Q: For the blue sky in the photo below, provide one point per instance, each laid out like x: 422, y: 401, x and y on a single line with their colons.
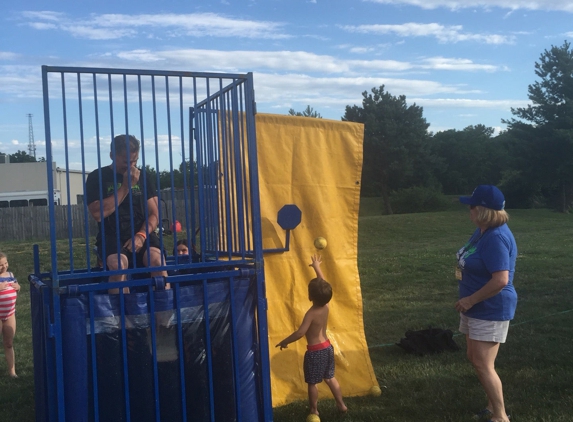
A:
x: 466, y: 62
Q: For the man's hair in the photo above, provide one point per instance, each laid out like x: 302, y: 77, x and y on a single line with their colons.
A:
x: 119, y: 144
x: 319, y: 291
x: 491, y: 218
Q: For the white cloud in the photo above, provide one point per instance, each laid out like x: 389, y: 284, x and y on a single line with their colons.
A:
x: 361, y: 50
x: 92, y: 33
x: 44, y: 15
x: 444, y: 63
x: 21, y: 81
x: 140, y: 56
x: 6, y: 55
x: 289, y: 61
x: 469, y: 103
x: 560, y: 5
x: 444, y: 34
x: 113, y: 26
x: 43, y: 26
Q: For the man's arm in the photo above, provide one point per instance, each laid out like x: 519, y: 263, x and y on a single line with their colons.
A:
x: 146, y: 228
x: 109, y: 202
x: 152, y: 216
x: 298, y: 333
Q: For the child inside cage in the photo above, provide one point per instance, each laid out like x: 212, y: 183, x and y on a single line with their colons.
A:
x: 319, y: 357
x: 9, y: 289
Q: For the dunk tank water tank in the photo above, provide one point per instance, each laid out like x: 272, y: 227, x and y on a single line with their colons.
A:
x: 192, y: 346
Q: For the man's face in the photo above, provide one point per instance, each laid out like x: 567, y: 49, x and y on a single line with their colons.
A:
x: 122, y: 163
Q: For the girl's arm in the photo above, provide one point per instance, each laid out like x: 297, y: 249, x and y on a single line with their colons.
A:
x: 15, y: 285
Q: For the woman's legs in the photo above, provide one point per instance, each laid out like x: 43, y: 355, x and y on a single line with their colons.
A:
x: 8, y: 331
x: 482, y: 355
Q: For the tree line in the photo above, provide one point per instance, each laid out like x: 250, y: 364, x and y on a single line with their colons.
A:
x: 23, y: 157
x: 531, y: 161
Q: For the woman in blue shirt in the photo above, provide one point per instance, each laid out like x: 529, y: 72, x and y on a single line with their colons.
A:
x: 487, y: 298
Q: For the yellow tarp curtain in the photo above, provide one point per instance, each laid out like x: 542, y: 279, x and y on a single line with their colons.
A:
x: 315, y: 164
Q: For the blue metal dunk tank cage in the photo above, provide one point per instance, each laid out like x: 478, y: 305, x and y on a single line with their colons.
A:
x: 197, y: 351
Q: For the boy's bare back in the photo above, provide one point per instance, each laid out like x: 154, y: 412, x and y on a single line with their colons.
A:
x: 316, y: 332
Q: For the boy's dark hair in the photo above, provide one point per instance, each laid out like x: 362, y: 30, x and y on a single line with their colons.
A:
x: 182, y: 242
x: 319, y: 291
x: 119, y: 144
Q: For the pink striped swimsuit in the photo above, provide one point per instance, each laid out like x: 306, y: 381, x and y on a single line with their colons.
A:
x: 7, y: 298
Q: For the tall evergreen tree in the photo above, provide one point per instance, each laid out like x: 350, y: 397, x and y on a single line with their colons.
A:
x: 546, y: 126
x: 396, y: 153
x: 307, y: 112
x: 471, y: 157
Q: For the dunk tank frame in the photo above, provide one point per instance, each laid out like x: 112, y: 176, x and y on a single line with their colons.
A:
x: 197, y: 351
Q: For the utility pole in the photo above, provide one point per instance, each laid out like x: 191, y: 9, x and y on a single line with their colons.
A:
x: 31, y: 144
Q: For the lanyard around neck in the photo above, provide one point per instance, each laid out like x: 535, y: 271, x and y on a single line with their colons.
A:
x: 472, y: 243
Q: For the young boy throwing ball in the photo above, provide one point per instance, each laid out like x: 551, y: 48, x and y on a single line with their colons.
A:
x: 319, y: 357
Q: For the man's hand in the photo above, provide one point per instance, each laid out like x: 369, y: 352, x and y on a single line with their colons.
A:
x: 138, y: 242
x: 134, y: 173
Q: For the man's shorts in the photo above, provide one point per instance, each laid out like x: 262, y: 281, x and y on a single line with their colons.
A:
x: 483, y: 330
x: 319, y: 364
x: 111, y: 248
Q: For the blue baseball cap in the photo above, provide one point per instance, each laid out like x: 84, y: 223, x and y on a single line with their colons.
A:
x: 487, y: 196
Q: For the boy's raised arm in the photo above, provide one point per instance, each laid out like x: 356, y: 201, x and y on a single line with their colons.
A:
x: 316, y: 261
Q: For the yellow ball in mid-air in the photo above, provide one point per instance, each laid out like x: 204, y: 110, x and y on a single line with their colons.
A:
x: 320, y: 243
x: 312, y: 418
x: 375, y: 391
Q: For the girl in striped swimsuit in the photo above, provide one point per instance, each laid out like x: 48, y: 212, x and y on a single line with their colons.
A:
x: 8, y: 291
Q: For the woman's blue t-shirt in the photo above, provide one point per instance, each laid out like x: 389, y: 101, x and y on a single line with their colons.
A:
x: 483, y: 255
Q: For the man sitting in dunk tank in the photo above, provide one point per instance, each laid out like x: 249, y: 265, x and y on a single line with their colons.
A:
x: 136, y: 198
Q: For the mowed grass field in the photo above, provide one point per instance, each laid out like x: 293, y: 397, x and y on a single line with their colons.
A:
x: 406, y: 265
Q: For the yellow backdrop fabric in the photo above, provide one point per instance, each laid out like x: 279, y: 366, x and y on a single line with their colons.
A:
x: 315, y: 164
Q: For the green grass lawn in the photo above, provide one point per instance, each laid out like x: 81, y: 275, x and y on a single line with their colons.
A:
x: 406, y: 266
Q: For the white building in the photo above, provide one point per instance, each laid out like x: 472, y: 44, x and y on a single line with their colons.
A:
x: 26, y: 184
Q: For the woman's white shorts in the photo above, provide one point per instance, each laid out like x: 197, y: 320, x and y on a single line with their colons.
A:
x: 483, y: 330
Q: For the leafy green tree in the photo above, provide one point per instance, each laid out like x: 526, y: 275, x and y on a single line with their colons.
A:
x: 471, y: 157
x: 308, y: 112
x: 22, y: 157
x: 396, y: 149
x: 546, y: 128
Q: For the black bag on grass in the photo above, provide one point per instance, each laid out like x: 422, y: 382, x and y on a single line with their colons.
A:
x: 431, y: 340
